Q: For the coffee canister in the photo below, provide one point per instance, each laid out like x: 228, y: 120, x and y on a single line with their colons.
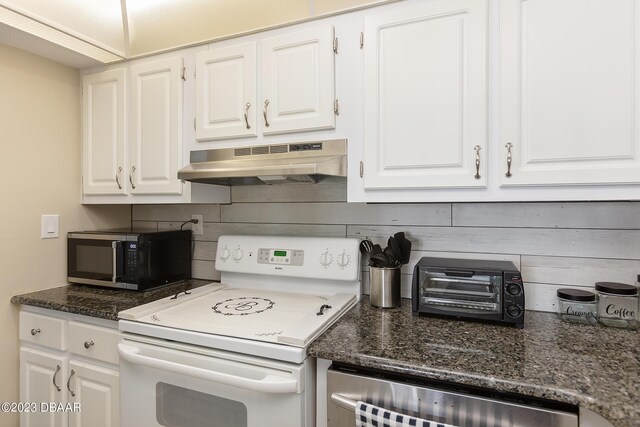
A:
x: 617, y: 304
x: 385, y: 286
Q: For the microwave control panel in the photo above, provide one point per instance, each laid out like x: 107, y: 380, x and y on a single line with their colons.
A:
x: 131, y: 259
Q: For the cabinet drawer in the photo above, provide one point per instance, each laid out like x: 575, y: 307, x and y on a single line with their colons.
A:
x: 43, y: 330
x: 93, y: 341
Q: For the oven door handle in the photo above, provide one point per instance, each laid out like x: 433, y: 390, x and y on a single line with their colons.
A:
x: 267, y: 384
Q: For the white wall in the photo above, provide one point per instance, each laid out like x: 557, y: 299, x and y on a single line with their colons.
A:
x: 39, y: 174
x: 554, y: 244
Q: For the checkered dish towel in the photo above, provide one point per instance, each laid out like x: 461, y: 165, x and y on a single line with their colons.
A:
x: 368, y: 415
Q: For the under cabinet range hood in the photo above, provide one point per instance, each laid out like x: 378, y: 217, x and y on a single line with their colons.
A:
x: 309, y: 162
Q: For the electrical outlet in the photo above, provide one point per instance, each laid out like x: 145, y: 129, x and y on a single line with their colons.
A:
x: 199, y: 227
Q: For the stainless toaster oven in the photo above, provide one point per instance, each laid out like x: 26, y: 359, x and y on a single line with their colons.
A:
x: 469, y: 289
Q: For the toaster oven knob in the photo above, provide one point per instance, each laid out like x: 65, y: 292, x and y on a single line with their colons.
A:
x: 514, y: 311
x: 513, y: 289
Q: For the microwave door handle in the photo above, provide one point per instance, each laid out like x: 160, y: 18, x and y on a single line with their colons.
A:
x: 117, y: 261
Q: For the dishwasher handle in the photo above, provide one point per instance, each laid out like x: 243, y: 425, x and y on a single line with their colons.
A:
x: 344, y: 402
x: 268, y: 384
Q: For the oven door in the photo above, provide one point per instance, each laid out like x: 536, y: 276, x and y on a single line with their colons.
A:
x: 475, y: 294
x: 177, y: 385
x: 95, y: 259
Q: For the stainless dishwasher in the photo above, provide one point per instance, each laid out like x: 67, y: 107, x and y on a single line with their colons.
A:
x: 444, y: 403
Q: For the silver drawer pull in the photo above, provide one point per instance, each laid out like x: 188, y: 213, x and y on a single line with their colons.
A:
x: 133, y: 169
x: 88, y: 344
x: 509, y: 159
x: 35, y: 332
x: 73, y: 393
x: 264, y: 113
x: 477, y: 148
x: 54, y: 378
x: 246, y: 115
x: 118, y: 178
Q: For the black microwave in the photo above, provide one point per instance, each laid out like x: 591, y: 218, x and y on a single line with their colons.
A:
x: 469, y: 289
x: 137, y: 260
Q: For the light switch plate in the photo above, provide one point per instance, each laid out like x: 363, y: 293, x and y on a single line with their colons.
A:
x: 50, y: 226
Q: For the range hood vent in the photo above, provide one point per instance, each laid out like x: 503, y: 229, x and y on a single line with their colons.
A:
x: 311, y: 162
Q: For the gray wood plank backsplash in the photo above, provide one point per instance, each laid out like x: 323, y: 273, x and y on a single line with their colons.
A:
x: 554, y: 244
x: 338, y: 213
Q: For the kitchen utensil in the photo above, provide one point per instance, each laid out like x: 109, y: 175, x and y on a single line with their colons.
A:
x: 391, y: 257
x: 405, y: 246
x: 366, y: 246
x: 380, y: 260
x: 377, y: 249
x: 395, y: 248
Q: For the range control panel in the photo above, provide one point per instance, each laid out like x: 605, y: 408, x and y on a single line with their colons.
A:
x: 281, y: 256
x: 311, y: 257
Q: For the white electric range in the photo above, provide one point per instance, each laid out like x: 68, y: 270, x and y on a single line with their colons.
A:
x: 234, y: 353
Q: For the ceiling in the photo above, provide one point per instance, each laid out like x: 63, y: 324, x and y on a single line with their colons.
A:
x: 83, y: 33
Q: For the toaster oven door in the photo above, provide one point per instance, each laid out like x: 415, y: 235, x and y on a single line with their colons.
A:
x: 461, y: 293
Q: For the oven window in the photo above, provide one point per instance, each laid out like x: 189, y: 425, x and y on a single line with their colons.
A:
x: 181, y: 407
x: 479, y: 294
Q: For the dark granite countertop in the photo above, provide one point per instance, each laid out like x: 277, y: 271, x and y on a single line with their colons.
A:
x: 591, y: 366
x: 99, y: 302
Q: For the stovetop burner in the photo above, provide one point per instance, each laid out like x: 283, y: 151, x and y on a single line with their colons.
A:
x: 243, y: 306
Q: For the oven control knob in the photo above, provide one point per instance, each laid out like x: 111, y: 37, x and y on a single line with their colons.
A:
x: 325, y: 259
x: 224, y: 254
x: 237, y: 254
x: 343, y: 259
x: 514, y: 311
x: 513, y: 289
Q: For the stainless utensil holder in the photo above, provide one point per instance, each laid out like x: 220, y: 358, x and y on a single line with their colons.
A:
x: 384, y: 287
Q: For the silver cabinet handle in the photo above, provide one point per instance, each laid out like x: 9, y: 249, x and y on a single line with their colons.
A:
x: 88, y: 344
x: 477, y: 148
x: 133, y: 169
x: 118, y: 178
x: 264, y: 112
x: 73, y: 393
x: 509, y: 159
x: 246, y: 114
x: 35, y: 332
x: 54, y: 378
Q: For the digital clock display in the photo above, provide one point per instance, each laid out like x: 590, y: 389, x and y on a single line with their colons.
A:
x: 279, y: 253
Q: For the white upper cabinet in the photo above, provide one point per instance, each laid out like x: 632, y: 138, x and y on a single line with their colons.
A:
x: 297, y: 72
x: 156, y: 127
x: 103, y: 124
x: 226, y: 92
x: 569, y: 92
x: 425, y: 122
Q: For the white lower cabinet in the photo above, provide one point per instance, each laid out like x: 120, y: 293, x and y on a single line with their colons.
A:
x: 42, y: 376
x: 96, y: 389
x: 84, y: 383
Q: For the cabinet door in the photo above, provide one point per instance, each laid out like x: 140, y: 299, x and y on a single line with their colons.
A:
x: 298, y: 81
x: 42, y: 380
x: 97, y: 390
x: 226, y: 92
x: 103, y: 132
x: 156, y: 127
x: 569, y: 89
x: 425, y: 95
